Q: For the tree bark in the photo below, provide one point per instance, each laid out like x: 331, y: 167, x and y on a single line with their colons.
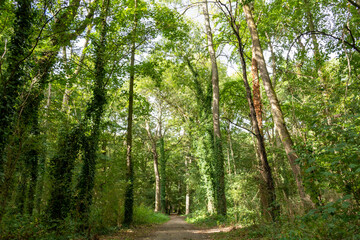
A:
x: 276, y: 110
x: 218, y: 153
x: 256, y: 90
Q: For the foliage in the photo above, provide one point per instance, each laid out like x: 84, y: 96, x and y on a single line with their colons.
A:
x: 64, y: 90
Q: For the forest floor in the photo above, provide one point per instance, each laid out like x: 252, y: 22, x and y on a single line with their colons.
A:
x: 175, y: 229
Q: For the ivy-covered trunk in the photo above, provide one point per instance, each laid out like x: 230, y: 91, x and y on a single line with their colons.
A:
x: 12, y: 82
x: 218, y: 156
x: 205, y: 142
x: 61, y: 166
x: 92, y: 121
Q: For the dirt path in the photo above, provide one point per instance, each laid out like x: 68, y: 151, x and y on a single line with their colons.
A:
x: 175, y: 229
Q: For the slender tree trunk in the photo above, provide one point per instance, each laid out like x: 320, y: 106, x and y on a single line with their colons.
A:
x: 276, y: 110
x: 187, y: 175
x: 156, y: 169
x: 67, y: 92
x: 129, y: 191
x: 267, y: 189
x: 162, y: 174
x: 157, y: 180
x: 318, y: 61
x: 273, y: 61
x: 218, y: 152
x: 256, y: 90
x: 231, y: 148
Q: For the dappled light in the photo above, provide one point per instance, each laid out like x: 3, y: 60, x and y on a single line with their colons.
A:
x: 139, y: 119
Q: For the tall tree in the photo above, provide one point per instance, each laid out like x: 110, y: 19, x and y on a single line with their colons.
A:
x: 12, y: 83
x: 217, y: 151
x: 93, y: 115
x: 276, y: 109
x: 267, y: 188
x: 129, y: 191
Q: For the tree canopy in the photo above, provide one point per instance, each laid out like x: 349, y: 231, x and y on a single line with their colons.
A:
x: 115, y: 113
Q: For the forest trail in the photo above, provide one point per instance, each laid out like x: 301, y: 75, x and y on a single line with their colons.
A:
x: 175, y: 229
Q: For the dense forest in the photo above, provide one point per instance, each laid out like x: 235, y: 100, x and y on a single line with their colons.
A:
x: 117, y: 113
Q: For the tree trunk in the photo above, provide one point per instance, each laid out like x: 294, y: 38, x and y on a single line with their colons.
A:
x: 231, y: 148
x: 9, y: 94
x: 12, y: 85
x: 267, y: 189
x: 276, y: 110
x: 256, y: 90
x: 318, y: 61
x: 67, y: 92
x: 162, y: 174
x: 187, y: 174
x: 156, y: 169
x: 129, y: 191
x: 218, y: 153
x: 157, y: 180
x: 204, y: 162
x: 93, y: 115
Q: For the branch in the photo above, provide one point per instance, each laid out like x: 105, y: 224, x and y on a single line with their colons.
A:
x: 325, y: 34
x: 2, y: 57
x: 354, y: 4
x: 236, y: 125
x: 174, y: 145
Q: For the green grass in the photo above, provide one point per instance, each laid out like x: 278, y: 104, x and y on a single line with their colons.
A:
x: 205, y: 220
x: 144, y: 215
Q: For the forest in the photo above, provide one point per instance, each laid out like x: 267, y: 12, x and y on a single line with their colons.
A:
x: 118, y: 114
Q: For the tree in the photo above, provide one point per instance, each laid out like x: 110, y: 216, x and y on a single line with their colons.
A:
x: 129, y: 195
x: 12, y: 82
x: 217, y: 151
x: 267, y: 189
x: 276, y: 109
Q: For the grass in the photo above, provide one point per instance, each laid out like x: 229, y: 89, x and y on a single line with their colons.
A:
x: 144, y: 215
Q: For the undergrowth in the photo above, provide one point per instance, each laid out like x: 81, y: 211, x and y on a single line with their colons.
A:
x: 336, y: 220
x: 33, y: 228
